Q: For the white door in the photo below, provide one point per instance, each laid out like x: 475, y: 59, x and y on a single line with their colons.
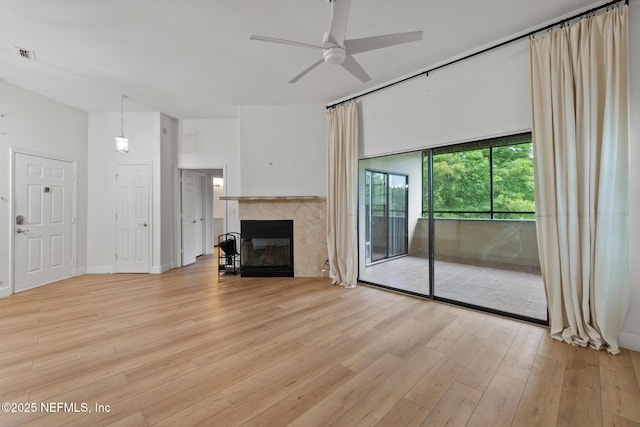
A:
x: 43, y: 189
x: 132, y: 219
x: 189, y: 250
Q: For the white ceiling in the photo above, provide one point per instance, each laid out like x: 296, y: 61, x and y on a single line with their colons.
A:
x: 194, y: 59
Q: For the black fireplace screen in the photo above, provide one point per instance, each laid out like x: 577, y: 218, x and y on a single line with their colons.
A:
x: 267, y: 248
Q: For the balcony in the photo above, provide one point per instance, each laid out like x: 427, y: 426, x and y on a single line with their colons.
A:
x: 488, y: 263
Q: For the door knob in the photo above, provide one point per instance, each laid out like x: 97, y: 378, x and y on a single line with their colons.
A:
x: 194, y: 221
x: 22, y: 230
x: 144, y: 224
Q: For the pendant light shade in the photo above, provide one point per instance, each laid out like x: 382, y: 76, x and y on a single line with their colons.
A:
x: 122, y: 143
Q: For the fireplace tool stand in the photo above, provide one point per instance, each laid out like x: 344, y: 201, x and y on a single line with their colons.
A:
x: 229, y: 253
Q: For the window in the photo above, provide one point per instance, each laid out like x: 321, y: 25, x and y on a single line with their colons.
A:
x: 491, y: 179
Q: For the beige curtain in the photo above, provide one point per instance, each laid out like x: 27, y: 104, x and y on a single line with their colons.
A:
x: 580, y: 131
x: 342, y: 194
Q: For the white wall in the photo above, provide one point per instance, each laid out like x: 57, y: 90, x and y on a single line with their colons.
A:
x: 283, y: 150
x: 478, y: 98
x: 143, y: 131
x: 168, y: 164
x: 37, y: 124
x: 487, y: 96
x: 404, y: 164
x: 206, y: 145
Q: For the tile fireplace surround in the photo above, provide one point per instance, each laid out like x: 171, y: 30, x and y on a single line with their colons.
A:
x: 309, y: 215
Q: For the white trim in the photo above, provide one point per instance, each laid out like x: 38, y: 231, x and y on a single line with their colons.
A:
x: 162, y: 268
x: 100, y: 269
x: 629, y: 341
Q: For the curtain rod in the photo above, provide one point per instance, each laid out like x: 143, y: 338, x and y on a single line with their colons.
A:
x: 485, y: 50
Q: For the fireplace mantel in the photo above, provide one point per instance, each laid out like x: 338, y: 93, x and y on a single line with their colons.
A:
x: 273, y: 198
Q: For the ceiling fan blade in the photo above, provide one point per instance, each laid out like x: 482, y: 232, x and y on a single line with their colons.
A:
x: 283, y: 41
x: 306, y: 70
x: 339, y: 18
x: 377, y: 42
x: 352, y: 66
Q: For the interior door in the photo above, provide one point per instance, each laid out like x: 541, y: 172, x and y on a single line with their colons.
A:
x: 43, y: 189
x: 132, y: 219
x: 189, y: 221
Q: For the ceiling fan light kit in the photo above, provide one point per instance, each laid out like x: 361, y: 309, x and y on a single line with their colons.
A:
x: 338, y: 51
x: 334, y: 55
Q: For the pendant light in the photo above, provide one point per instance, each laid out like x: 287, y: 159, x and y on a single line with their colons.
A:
x: 122, y: 143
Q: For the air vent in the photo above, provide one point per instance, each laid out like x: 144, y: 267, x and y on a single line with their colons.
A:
x: 26, y: 53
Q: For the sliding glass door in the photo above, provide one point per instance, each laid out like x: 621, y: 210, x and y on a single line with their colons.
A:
x: 392, y: 240
x: 462, y: 217
x: 386, y: 215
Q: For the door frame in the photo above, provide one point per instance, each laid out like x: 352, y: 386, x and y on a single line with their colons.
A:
x: 149, y: 166
x: 74, y: 203
x: 177, y: 213
x: 387, y: 235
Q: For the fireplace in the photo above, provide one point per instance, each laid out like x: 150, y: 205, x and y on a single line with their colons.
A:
x: 267, y: 248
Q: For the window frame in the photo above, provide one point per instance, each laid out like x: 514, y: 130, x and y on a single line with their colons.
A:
x: 491, y: 143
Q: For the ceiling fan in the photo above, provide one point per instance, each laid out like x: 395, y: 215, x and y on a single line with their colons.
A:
x: 338, y: 51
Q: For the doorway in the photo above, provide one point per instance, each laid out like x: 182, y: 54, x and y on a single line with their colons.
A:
x: 202, y: 213
x: 386, y: 206
x: 44, y: 246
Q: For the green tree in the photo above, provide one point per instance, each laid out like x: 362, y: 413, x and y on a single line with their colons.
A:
x: 462, y: 182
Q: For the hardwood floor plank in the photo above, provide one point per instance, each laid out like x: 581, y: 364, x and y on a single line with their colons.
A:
x: 435, y: 383
x: 332, y: 407
x: 196, y: 413
x: 540, y: 400
x: 521, y: 355
x: 581, y: 399
x: 321, y: 358
x: 370, y: 410
x: 498, y: 404
x: 404, y: 413
x: 619, y: 385
x: 408, y: 375
x: 455, y: 407
x: 241, y: 412
x: 300, y: 400
x: 481, y: 368
x: 133, y: 420
x: 613, y: 420
x: 191, y: 346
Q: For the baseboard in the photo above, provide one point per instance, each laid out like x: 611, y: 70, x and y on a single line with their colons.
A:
x: 161, y: 269
x: 629, y: 341
x: 5, y: 292
x: 100, y: 269
x: 81, y: 271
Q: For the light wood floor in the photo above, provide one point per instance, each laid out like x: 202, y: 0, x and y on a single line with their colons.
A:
x: 188, y: 348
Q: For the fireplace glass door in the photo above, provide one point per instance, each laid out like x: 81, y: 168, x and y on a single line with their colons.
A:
x: 267, y: 248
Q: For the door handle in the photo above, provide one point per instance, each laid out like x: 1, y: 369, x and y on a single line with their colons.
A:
x: 144, y: 224
x: 22, y: 230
